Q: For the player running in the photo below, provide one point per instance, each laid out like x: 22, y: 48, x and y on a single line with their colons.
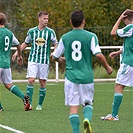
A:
x: 78, y: 46
x: 7, y: 39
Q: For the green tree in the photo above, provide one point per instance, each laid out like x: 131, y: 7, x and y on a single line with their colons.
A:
x: 100, y: 16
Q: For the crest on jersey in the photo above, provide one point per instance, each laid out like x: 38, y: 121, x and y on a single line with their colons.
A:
x: 40, y: 41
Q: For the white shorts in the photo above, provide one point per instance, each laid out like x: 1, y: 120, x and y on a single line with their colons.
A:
x: 125, y: 75
x: 37, y: 70
x: 5, y: 75
x: 76, y: 94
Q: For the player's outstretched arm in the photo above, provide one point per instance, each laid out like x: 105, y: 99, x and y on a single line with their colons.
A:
x: 104, y: 63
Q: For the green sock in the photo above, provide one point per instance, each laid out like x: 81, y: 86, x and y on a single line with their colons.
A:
x: 1, y: 105
x: 42, y: 93
x: 87, y: 112
x: 116, y: 103
x: 29, y: 92
x: 74, y: 121
x: 15, y: 90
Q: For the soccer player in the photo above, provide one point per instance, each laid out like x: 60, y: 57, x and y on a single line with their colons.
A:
x: 125, y: 72
x: 7, y: 39
x: 78, y: 46
x: 40, y: 38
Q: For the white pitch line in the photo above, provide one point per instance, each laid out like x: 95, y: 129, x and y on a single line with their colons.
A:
x: 10, y: 129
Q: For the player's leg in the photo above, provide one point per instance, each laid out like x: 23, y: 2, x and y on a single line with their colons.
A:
x: 43, y: 71
x: 32, y: 71
x: 87, y: 94
x: 16, y: 91
x: 87, y: 112
x: 30, y: 89
x: 7, y: 80
x: 1, y: 108
x: 124, y: 78
x: 118, y: 95
x: 72, y: 99
x: 42, y: 94
x: 74, y: 119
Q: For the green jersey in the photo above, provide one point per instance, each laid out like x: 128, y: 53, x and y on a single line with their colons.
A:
x: 40, y: 44
x: 7, y: 39
x: 127, y: 34
x: 78, y: 47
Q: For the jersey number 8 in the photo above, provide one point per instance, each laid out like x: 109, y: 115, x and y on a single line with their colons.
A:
x: 76, y: 54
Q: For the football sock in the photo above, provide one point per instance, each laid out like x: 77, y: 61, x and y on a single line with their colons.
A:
x: 116, y: 103
x: 42, y: 93
x: 74, y: 121
x: 87, y: 112
x: 29, y: 92
x: 0, y: 105
x: 15, y: 90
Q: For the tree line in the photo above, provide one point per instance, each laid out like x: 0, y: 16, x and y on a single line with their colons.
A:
x: 100, y: 16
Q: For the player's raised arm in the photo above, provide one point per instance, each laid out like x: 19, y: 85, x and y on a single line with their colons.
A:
x: 116, y: 25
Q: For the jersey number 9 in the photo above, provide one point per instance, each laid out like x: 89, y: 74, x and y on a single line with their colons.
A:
x: 6, y: 43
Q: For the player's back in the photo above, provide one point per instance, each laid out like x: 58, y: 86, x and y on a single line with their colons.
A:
x: 5, y: 46
x: 78, y: 56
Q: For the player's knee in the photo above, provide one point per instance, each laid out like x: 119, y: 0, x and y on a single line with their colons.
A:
x: 31, y: 81
x: 8, y: 86
x: 42, y: 83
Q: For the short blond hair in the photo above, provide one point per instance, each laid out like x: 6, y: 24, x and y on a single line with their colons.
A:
x: 42, y: 13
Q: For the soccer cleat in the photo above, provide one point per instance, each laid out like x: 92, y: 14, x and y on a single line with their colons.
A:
x: 109, y: 117
x: 30, y: 108
x: 87, y: 126
x: 39, y: 107
x: 26, y: 102
x: 1, y: 109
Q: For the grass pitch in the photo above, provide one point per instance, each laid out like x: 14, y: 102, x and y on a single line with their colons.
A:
x: 54, y: 116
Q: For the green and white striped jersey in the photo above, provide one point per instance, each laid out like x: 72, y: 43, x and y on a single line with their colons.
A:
x: 40, y: 44
x: 7, y: 39
x: 78, y: 47
x: 127, y: 34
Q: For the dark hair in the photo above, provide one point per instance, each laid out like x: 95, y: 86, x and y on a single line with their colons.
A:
x: 129, y: 15
x: 42, y: 13
x: 77, y: 17
x: 2, y: 19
